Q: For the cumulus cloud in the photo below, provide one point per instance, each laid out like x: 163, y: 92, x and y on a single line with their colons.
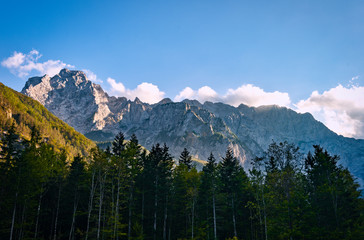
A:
x: 21, y: 64
x: 203, y: 94
x: 186, y: 93
x: 341, y: 109
x: 247, y: 94
x: 207, y: 94
x: 146, y: 92
x: 255, y: 96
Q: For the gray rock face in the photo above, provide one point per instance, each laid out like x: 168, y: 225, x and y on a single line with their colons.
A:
x: 201, y: 128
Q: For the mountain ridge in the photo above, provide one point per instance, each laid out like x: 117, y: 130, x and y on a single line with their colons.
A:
x: 201, y: 128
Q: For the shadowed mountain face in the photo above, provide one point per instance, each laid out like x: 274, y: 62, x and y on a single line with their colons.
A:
x: 201, y: 128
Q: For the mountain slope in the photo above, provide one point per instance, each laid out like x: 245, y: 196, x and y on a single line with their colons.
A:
x: 201, y: 128
x: 26, y: 113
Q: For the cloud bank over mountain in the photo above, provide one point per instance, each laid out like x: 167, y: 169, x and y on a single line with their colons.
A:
x: 247, y: 94
x: 339, y: 108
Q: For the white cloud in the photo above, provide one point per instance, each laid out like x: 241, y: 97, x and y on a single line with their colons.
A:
x: 207, y: 94
x: 254, y: 96
x: 247, y: 94
x: 355, y: 78
x: 14, y: 61
x: 341, y: 109
x: 116, y: 87
x: 146, y: 92
x: 203, y: 94
x: 22, y: 65
x: 92, y: 76
x: 186, y: 93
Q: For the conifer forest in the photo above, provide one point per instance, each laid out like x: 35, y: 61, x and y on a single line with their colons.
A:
x: 128, y: 192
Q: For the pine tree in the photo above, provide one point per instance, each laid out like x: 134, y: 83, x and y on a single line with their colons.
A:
x: 334, y: 196
x: 134, y: 168
x: 207, y: 197
x: 258, y: 206
x: 229, y: 173
x: 185, y: 158
x: 158, y: 175
x: 285, y: 196
x: 76, y: 198
x: 119, y: 182
x: 9, y: 150
x: 118, y: 145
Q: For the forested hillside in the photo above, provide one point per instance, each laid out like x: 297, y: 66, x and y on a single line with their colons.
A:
x: 26, y: 113
x: 127, y: 193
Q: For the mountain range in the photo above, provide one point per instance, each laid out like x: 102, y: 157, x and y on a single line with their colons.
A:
x: 200, y: 127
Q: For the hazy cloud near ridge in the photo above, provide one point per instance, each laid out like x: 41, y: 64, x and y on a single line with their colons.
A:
x: 146, y: 92
x: 22, y: 65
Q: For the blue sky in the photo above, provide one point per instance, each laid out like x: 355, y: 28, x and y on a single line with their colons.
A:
x: 293, y: 48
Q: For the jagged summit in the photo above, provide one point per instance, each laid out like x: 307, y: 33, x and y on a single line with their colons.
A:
x: 201, y: 128
x: 193, y: 103
x: 72, y: 97
x: 65, y: 73
x: 165, y: 101
x: 137, y: 100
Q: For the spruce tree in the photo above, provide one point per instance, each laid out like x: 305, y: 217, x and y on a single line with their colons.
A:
x: 334, y: 197
x: 134, y: 168
x: 185, y: 158
x: 207, y: 197
x: 118, y: 145
x: 229, y: 173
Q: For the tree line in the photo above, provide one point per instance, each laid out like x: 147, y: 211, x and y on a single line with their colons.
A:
x: 126, y: 192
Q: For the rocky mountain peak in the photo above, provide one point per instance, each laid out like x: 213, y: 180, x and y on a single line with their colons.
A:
x: 72, y: 78
x: 165, y: 101
x: 65, y: 73
x: 137, y: 101
x: 35, y: 81
x: 70, y: 95
x: 194, y: 103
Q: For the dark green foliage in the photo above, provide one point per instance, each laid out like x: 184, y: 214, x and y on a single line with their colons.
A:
x: 128, y: 193
x: 207, y: 198
x: 233, y: 185
x: 334, y: 196
x: 24, y: 113
x: 185, y: 158
x: 118, y: 144
x: 285, y: 191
